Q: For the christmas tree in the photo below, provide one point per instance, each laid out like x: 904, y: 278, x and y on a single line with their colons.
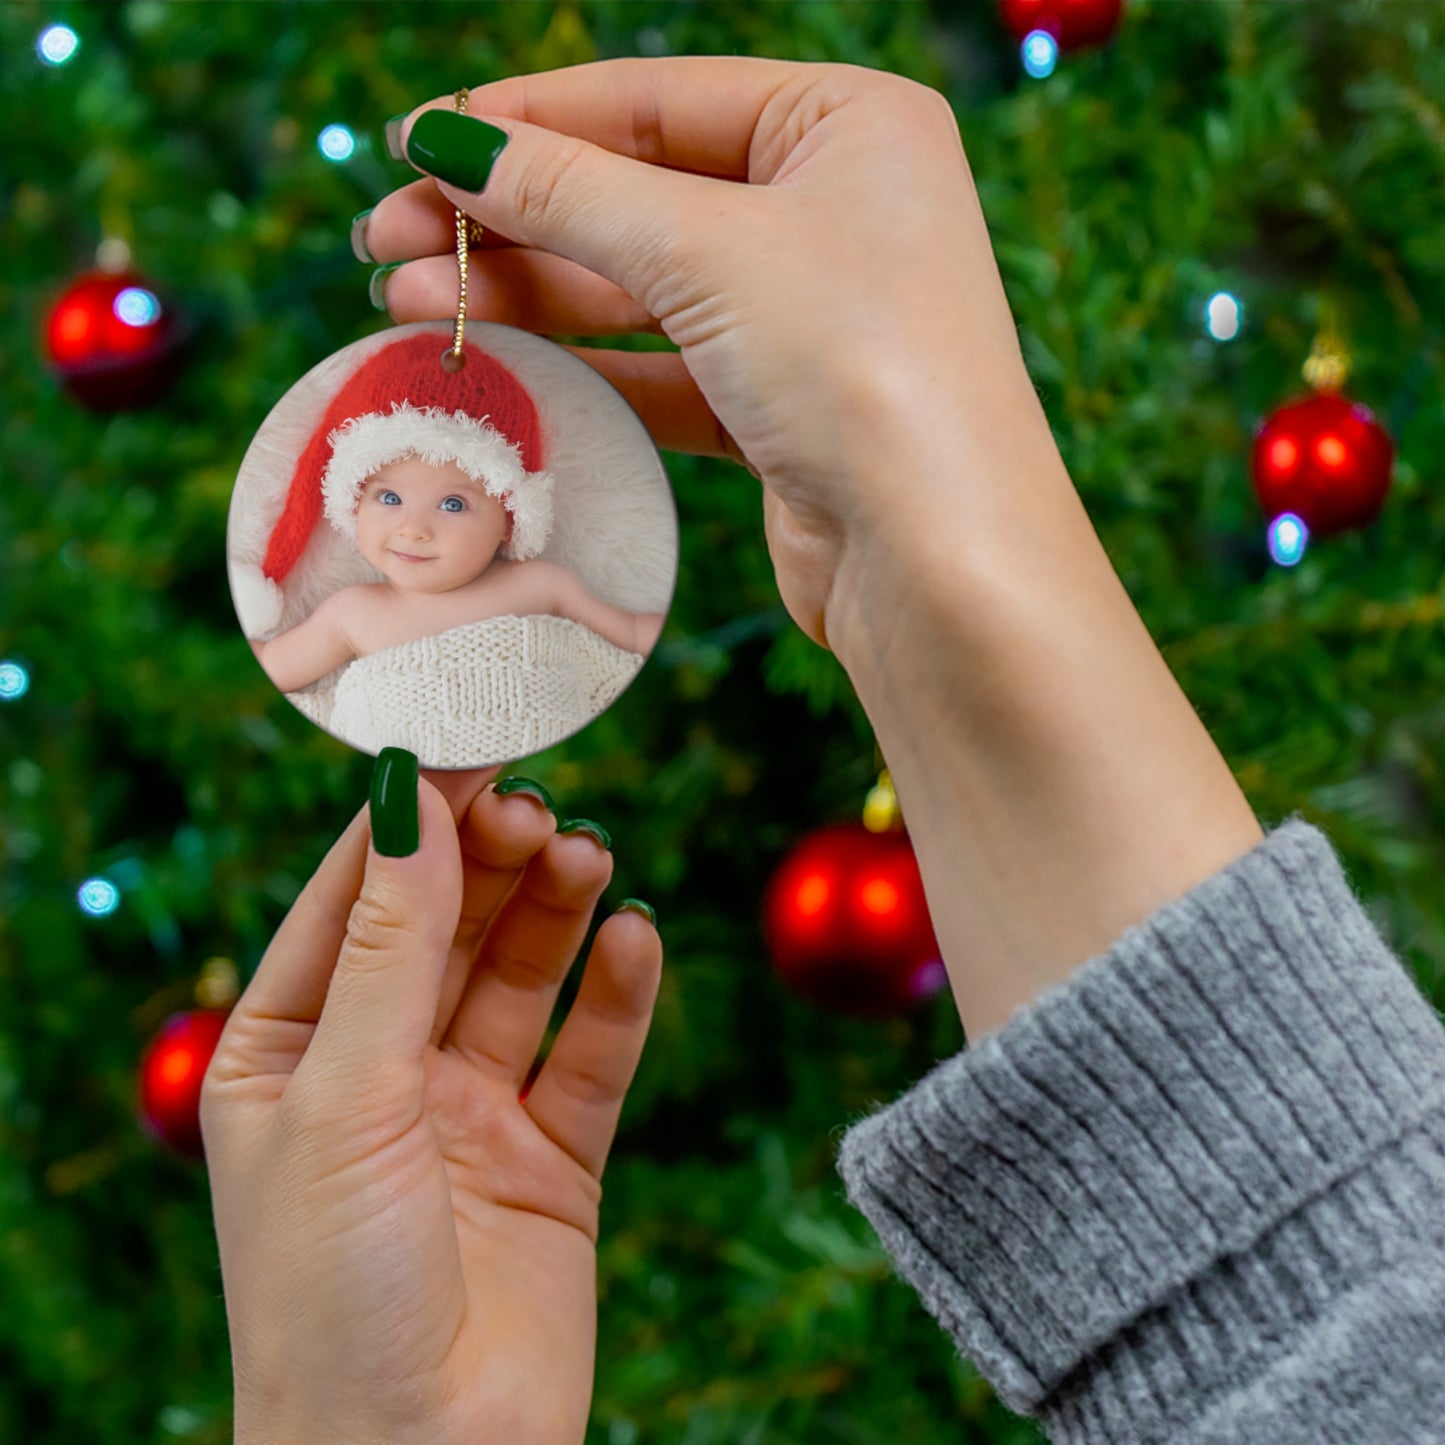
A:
x: 1180, y: 212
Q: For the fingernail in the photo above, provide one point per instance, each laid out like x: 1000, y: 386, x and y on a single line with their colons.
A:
x: 395, y: 812
x: 393, y: 137
x: 586, y: 825
x: 455, y: 148
x: 636, y: 905
x: 525, y: 785
x: 376, y: 288
x: 358, y: 236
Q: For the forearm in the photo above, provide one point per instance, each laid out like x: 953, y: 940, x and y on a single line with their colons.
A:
x: 1057, y: 784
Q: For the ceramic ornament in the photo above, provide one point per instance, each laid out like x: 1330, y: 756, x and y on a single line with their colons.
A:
x: 469, y: 561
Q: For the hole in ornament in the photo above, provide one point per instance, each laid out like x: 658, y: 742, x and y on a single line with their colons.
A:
x: 453, y: 361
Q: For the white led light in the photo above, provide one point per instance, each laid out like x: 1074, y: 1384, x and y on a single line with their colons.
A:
x: 1288, y: 538
x: 98, y: 897
x: 14, y: 681
x: 1223, y: 316
x: 57, y: 44
x: 336, y: 143
x: 137, y: 306
x: 1040, y: 54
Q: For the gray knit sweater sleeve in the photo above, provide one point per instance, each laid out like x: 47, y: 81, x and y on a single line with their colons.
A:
x: 1196, y: 1192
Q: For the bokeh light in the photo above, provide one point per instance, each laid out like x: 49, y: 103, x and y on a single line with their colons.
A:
x: 14, y: 681
x: 1040, y: 53
x: 336, y: 143
x: 1288, y: 538
x: 137, y: 307
x: 57, y: 44
x: 1223, y: 316
x: 98, y: 897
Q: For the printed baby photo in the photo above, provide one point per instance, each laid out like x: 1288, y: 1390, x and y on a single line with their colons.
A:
x: 470, y: 564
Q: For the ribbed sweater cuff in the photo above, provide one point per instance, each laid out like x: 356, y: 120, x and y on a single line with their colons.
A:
x: 1090, y: 1191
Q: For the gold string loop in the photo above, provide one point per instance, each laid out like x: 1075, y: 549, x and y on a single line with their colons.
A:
x: 468, y: 231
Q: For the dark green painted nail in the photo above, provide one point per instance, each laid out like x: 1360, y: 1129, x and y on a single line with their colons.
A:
x: 358, y: 236
x: 636, y: 905
x: 455, y: 148
x: 392, y: 131
x: 377, y: 287
x: 525, y: 785
x: 395, y: 812
x: 586, y: 825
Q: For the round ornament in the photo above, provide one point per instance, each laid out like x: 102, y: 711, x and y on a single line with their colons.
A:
x: 1324, y: 458
x: 111, y: 341
x: 847, y: 923
x: 468, y: 561
x: 1074, y: 24
x: 172, y: 1070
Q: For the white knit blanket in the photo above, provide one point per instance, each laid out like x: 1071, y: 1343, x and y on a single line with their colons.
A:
x: 487, y: 692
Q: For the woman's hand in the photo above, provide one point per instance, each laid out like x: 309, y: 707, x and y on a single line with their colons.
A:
x: 810, y: 237
x: 407, y: 1234
x: 842, y: 326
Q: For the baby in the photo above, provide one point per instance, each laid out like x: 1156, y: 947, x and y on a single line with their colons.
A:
x: 434, y: 534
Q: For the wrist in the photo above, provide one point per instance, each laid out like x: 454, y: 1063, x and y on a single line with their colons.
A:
x: 1056, y: 782
x: 946, y: 513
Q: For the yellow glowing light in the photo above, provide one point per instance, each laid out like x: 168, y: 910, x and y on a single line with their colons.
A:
x: 1331, y: 451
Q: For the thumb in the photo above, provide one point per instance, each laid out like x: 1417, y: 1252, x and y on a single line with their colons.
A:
x: 633, y: 223
x: 383, y: 997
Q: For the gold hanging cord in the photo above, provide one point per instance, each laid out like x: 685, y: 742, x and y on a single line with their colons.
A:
x: 471, y: 231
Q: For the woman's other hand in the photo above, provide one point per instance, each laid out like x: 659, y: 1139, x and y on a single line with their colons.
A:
x: 407, y: 1234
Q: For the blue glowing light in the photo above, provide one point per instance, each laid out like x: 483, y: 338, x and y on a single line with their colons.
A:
x: 1288, y: 538
x: 1040, y: 54
x: 336, y: 143
x: 14, y: 681
x: 137, y: 306
x: 57, y: 44
x: 98, y: 897
x: 1223, y: 316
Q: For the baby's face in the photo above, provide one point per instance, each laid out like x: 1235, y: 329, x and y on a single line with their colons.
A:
x: 428, y: 528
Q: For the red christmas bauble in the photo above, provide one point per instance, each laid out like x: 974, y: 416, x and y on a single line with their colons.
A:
x: 171, y: 1072
x: 1324, y: 458
x: 111, y: 341
x: 1073, y: 23
x: 847, y: 924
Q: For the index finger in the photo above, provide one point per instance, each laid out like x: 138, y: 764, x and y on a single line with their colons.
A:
x: 698, y: 113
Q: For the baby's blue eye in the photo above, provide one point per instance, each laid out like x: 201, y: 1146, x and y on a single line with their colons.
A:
x: 382, y: 496
x: 461, y: 506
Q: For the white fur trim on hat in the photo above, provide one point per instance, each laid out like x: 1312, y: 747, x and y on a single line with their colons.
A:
x: 365, y: 444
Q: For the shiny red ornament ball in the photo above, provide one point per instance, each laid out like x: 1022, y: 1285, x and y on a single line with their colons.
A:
x: 1324, y: 458
x: 847, y: 924
x: 1073, y: 23
x: 112, y: 341
x: 171, y: 1072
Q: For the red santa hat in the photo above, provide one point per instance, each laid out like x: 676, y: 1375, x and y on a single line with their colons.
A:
x: 401, y: 402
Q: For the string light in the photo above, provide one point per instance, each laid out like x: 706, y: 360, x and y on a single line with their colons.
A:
x: 136, y: 306
x: 336, y: 143
x: 98, y: 897
x: 1288, y: 538
x: 57, y: 44
x: 1040, y: 52
x: 1223, y: 316
x: 14, y: 681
